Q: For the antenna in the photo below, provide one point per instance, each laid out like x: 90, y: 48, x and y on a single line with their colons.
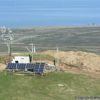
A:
x: 57, y: 54
x: 33, y: 49
x: 7, y: 36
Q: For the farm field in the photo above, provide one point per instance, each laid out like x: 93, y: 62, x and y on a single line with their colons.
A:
x: 54, y: 86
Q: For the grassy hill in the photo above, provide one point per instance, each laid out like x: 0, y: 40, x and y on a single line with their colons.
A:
x: 54, y: 86
x: 66, y: 38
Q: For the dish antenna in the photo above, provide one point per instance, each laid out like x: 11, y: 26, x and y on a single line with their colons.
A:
x: 7, y: 36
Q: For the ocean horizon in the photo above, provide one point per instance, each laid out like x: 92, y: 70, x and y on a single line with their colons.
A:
x: 49, y: 13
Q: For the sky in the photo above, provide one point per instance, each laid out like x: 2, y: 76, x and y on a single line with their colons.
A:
x: 28, y: 13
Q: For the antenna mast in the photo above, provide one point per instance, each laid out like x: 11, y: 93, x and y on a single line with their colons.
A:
x: 7, y: 37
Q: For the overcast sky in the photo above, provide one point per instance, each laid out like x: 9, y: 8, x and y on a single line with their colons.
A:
x: 20, y: 13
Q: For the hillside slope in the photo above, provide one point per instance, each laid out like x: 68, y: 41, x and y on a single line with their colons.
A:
x: 78, y: 59
x: 54, y: 86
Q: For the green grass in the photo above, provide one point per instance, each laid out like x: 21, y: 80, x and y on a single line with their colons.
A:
x: 14, y: 87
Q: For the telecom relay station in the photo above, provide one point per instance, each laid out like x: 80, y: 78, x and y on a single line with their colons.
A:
x: 23, y: 63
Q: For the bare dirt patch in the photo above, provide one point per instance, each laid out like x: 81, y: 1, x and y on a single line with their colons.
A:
x: 2, y: 67
x: 78, y: 61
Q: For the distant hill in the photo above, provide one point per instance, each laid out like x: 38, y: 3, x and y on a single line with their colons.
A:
x: 63, y: 37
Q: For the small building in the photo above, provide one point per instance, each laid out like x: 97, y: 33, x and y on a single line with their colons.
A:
x: 21, y: 59
x: 22, y: 63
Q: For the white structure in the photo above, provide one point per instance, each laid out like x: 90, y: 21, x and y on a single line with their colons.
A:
x: 21, y: 59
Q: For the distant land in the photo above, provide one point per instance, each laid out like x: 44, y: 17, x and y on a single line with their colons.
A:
x: 65, y: 38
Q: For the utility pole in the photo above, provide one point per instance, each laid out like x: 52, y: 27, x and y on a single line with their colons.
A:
x: 33, y: 50
x: 9, y: 49
x: 7, y: 37
x: 57, y: 56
